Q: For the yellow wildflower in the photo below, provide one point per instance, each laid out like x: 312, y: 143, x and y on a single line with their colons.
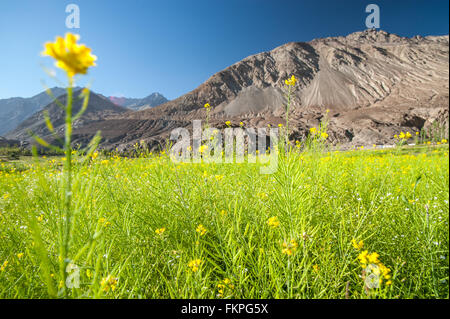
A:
x: 72, y: 57
x: 228, y: 123
x: 207, y: 106
x: 291, y: 81
x: 5, y: 263
x: 19, y: 255
x: 195, y: 264
x: 201, y: 230
x: 224, y: 285
x: 273, y: 222
x: 289, y: 248
x: 104, y: 222
x: 109, y: 283
x: 160, y: 231
x: 363, y: 258
x: 358, y: 245
x: 313, y: 130
x: 373, y: 258
x: 324, y: 135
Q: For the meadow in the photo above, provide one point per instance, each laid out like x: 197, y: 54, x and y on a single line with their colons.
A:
x: 354, y: 224
x: 364, y: 223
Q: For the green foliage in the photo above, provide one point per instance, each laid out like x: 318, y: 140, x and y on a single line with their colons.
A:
x: 396, y: 202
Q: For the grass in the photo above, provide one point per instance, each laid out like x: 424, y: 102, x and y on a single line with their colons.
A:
x: 135, y: 220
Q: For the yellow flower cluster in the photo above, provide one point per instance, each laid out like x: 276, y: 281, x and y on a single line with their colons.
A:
x: 403, y: 136
x: 195, y: 264
x: 289, y: 248
x: 3, y: 267
x: 358, y: 245
x: 72, y: 57
x: 291, y: 81
x: 223, y: 285
x: 160, y: 231
x: 228, y: 123
x: 313, y: 130
x: 104, y: 222
x: 109, y: 283
x: 273, y: 222
x: 201, y: 230
x: 370, y: 261
x: 207, y: 106
x: 316, y: 268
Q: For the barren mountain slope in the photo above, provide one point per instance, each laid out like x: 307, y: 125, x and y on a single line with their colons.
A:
x: 98, y: 110
x: 374, y: 84
x: 14, y: 111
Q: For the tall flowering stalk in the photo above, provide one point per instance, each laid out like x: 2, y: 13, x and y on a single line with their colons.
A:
x: 290, y: 84
x: 74, y: 59
x: 207, y: 106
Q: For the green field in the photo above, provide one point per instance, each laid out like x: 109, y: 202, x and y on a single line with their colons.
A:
x: 147, y: 227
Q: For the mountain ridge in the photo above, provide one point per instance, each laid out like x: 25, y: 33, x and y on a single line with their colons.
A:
x: 98, y: 109
x: 373, y: 83
x: 15, y: 110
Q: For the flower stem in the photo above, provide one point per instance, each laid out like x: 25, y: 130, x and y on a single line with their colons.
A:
x: 67, y: 220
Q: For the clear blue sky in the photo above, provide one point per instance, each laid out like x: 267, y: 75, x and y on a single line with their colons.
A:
x: 171, y: 47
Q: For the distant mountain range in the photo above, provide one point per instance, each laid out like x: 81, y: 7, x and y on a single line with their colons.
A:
x: 374, y: 84
x: 14, y: 111
x: 152, y: 100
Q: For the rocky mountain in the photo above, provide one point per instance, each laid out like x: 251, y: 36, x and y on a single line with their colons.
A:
x: 373, y: 83
x: 15, y: 110
x: 9, y: 143
x: 152, y: 100
x: 98, y: 109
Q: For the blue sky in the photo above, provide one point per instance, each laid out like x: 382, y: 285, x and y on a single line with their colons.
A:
x: 171, y: 47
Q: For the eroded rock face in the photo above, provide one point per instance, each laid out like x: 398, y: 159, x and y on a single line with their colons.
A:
x: 373, y: 83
